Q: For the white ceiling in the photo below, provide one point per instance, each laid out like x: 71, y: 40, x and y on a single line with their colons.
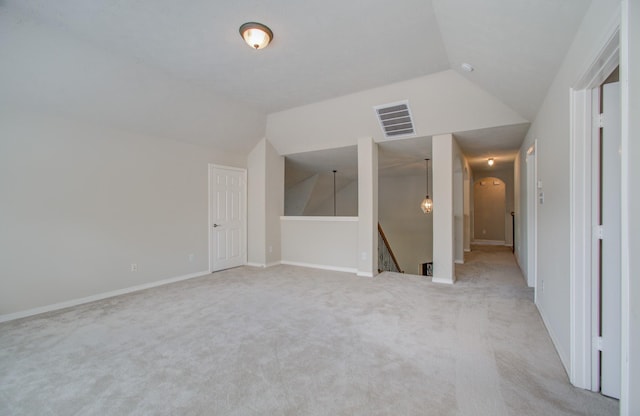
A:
x: 329, y: 48
x: 407, y: 157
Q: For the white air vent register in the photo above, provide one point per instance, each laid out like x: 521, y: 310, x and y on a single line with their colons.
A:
x: 395, y: 119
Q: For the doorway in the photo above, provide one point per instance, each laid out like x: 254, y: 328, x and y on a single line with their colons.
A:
x: 227, y: 217
x: 586, y: 323
x: 607, y: 245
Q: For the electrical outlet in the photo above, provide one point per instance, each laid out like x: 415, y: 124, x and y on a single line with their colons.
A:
x: 134, y: 267
x: 191, y: 257
x: 364, y: 255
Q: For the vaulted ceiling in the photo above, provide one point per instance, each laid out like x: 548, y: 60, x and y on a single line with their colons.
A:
x: 324, y: 49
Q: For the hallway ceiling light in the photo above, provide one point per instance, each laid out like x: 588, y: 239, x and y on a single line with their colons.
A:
x: 427, y: 203
x: 490, y: 161
x: 257, y: 35
x: 467, y: 67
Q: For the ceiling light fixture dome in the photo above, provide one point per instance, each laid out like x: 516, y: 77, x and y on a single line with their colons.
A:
x: 257, y: 35
x: 467, y: 67
x: 490, y: 161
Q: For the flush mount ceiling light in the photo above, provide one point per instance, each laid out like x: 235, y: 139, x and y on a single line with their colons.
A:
x: 427, y: 203
x: 467, y: 67
x: 257, y: 35
x: 490, y: 161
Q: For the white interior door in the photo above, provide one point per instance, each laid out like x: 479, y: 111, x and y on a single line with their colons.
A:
x: 227, y: 217
x: 610, y: 252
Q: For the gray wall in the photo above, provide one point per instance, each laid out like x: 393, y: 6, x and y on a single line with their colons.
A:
x: 80, y: 203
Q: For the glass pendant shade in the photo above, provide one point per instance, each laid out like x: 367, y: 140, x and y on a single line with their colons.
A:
x: 256, y: 35
x: 427, y: 205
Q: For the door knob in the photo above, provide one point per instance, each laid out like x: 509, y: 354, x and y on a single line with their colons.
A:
x: 216, y: 225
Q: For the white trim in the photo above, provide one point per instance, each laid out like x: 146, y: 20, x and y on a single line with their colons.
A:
x: 325, y: 218
x: 580, y: 240
x: 467, y: 250
x: 584, y: 362
x: 442, y: 280
x: 489, y: 242
x: 364, y: 274
x: 237, y: 169
x: 100, y: 296
x: 320, y: 266
x: 625, y: 186
x: 459, y: 261
x: 211, y: 167
x: 532, y: 194
x: 264, y: 266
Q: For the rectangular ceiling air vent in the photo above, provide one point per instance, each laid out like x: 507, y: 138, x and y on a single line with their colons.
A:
x: 395, y: 119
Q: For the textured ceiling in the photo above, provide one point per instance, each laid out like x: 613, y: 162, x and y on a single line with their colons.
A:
x: 328, y: 48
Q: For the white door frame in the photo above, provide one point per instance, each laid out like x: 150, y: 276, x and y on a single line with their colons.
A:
x: 584, y: 361
x: 209, y: 208
x: 531, y: 161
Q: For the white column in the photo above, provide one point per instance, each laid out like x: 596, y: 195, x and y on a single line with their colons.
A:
x: 256, y: 205
x: 367, y: 207
x: 443, y: 230
x: 265, y: 198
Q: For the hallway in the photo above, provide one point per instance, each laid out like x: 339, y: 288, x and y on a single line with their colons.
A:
x: 504, y: 342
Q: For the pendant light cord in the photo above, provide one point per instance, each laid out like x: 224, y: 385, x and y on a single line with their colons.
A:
x: 427, y: 175
x: 334, y: 192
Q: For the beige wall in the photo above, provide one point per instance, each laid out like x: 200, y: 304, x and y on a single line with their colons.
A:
x: 265, y: 180
x: 442, y: 102
x: 506, y: 175
x: 489, y: 196
x: 408, y: 229
x: 80, y: 203
x: 346, y: 202
x: 256, y: 205
x: 325, y: 242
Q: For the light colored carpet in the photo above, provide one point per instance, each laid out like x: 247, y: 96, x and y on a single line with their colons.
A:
x: 295, y: 341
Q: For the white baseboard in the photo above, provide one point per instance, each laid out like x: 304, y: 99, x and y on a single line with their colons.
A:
x: 320, y: 266
x: 489, y: 242
x: 442, y: 280
x: 364, y: 274
x: 459, y: 262
x: 554, y: 340
x: 467, y: 250
x: 264, y: 266
x: 93, y: 298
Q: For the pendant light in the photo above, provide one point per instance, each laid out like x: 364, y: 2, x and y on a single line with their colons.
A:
x: 427, y: 203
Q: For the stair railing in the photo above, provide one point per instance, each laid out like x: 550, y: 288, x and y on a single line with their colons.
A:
x: 386, y: 259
